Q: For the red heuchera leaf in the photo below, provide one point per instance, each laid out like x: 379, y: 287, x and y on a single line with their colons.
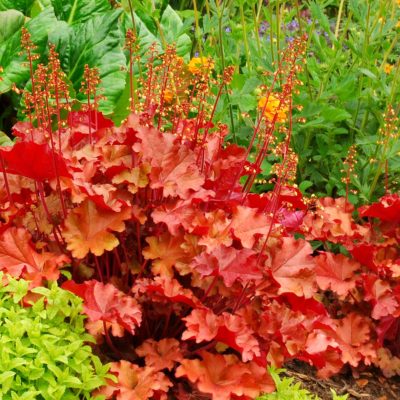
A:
x: 160, y: 355
x: 335, y: 272
x: 291, y: 220
x: 34, y: 161
x: 379, y: 293
x: 230, y: 264
x: 386, y: 209
x: 19, y: 258
x: 162, y: 288
x: 106, y: 303
x: 80, y: 122
x: 247, y: 224
x: 224, y: 376
x: 293, y: 267
x: 88, y: 229
x: 135, y: 383
x: 379, y: 257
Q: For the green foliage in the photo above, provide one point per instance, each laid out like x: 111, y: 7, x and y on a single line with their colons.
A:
x: 74, y: 11
x: 45, y: 352
x: 86, y: 32
x: 286, y: 389
x: 346, y: 89
x: 95, y: 42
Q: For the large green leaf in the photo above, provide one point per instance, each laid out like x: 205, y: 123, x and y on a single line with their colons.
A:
x: 10, y: 22
x: 13, y: 62
x: 73, y: 11
x: 21, y: 5
x: 174, y: 31
x: 97, y: 42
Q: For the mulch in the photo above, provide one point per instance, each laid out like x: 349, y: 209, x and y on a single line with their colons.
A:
x: 369, y: 384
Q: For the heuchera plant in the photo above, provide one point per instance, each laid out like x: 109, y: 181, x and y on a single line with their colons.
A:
x: 191, y: 283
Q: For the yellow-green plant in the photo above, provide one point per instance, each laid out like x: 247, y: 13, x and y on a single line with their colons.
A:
x: 45, y: 352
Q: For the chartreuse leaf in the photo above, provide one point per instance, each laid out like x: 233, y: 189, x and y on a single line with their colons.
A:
x: 95, y: 42
x: 5, y: 140
x: 15, y: 68
x: 42, y: 357
x: 74, y: 11
x: 287, y: 389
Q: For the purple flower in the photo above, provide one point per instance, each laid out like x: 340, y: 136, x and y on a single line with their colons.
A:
x: 263, y: 28
x: 293, y: 25
x: 228, y: 29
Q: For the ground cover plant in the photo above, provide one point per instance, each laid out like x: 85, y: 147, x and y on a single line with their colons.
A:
x: 192, y: 282
x: 45, y: 349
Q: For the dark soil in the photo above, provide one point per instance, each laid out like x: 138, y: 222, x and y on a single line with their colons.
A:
x: 368, y: 385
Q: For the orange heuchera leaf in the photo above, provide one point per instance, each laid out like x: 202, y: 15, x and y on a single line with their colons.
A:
x: 135, y: 383
x: 225, y: 376
x: 293, y: 267
x: 353, y: 335
x: 335, y: 272
x: 166, y: 250
x: 389, y: 364
x: 88, y: 229
x: 107, y: 303
x: 247, y: 224
x: 174, y: 166
x: 160, y: 355
x: 202, y: 325
x: 333, y: 221
x: 19, y: 258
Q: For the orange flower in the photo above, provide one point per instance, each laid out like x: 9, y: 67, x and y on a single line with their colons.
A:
x: 198, y: 65
x: 168, y: 96
x: 273, y: 107
x: 388, y: 68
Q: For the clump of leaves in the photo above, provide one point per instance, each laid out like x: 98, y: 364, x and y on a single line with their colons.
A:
x: 45, y: 351
x: 358, y: 276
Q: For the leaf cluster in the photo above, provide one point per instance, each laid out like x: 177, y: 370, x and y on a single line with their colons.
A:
x: 46, y: 353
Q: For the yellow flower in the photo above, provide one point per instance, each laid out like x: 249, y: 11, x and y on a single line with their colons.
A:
x: 388, y: 68
x: 398, y: 23
x: 273, y: 107
x: 200, y: 64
